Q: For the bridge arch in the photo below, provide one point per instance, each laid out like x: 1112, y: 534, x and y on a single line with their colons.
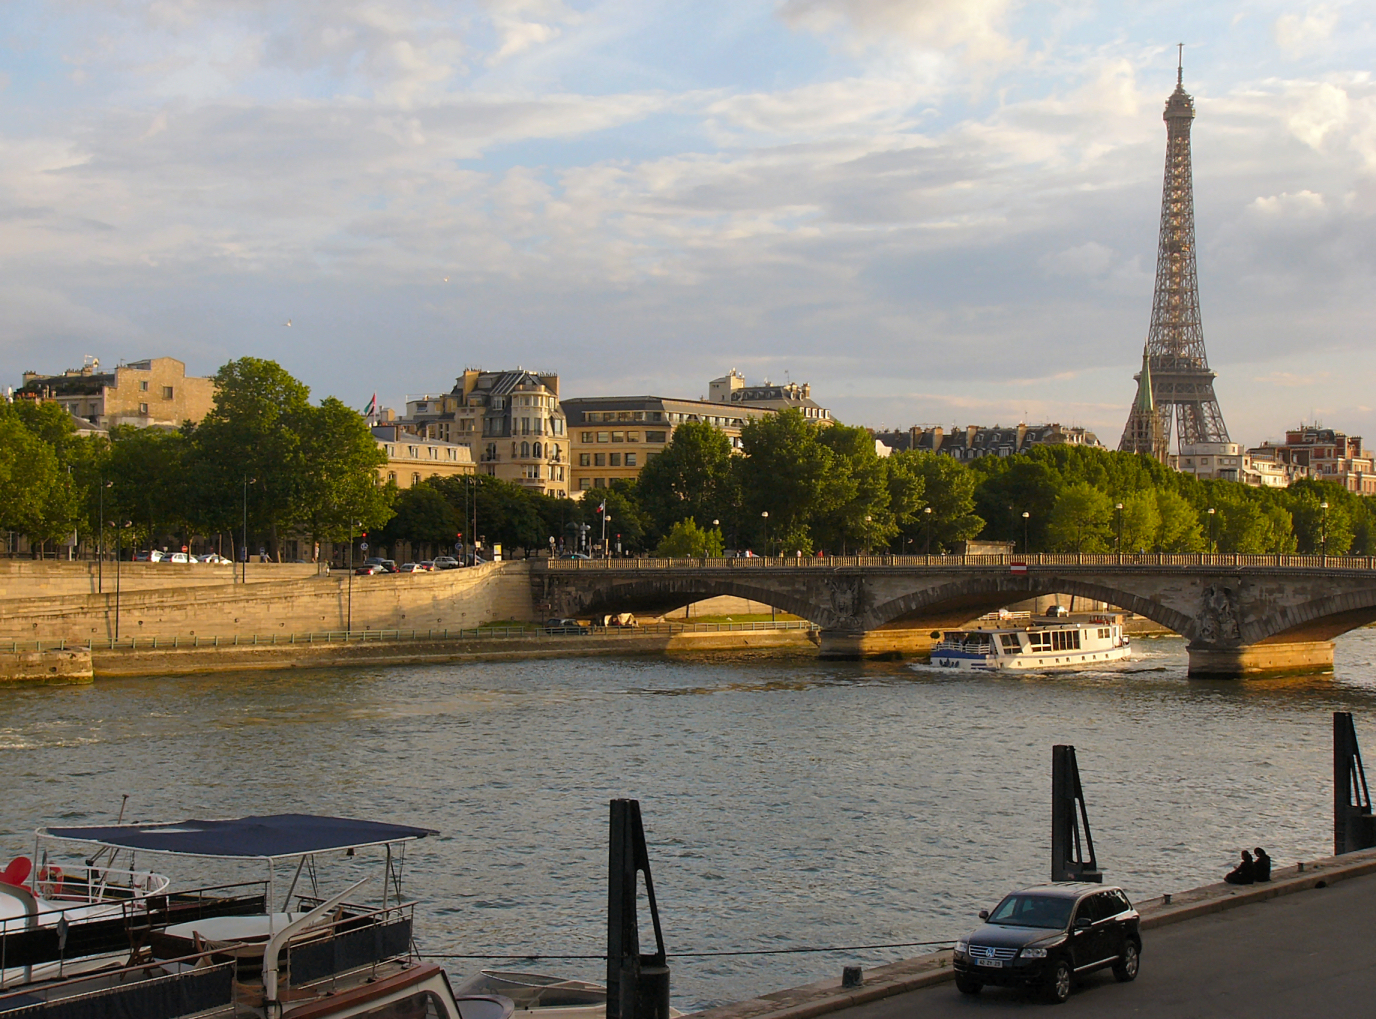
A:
x: 965, y: 598
x: 1319, y: 619
x: 662, y: 594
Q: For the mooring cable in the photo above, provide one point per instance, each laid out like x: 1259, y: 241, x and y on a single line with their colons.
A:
x: 701, y: 955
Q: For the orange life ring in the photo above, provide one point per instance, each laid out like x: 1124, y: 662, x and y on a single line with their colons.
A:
x: 52, y: 877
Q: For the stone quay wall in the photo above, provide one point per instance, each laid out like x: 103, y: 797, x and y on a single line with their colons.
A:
x: 449, y: 599
x: 46, y: 578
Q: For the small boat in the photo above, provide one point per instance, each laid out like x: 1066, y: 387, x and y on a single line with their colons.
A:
x: 1096, y: 641
x: 95, y: 940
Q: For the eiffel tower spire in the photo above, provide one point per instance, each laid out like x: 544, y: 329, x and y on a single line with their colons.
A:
x: 1181, y: 384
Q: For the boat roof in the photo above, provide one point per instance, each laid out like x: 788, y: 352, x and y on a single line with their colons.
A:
x: 268, y: 837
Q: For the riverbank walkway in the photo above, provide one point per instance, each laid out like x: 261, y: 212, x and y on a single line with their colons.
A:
x: 1297, y: 956
x: 1295, y: 947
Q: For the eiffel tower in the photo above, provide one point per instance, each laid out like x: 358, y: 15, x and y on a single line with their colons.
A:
x: 1175, y: 369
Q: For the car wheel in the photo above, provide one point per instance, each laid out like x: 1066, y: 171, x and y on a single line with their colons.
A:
x: 1125, y: 969
x: 1058, y: 984
x: 968, y: 985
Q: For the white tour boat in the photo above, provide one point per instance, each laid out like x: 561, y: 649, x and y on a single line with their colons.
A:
x: 1096, y: 641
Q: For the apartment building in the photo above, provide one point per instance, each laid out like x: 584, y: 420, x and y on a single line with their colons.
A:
x: 154, y: 393
x: 731, y: 388
x: 413, y: 458
x: 613, y: 437
x: 975, y: 441
x: 509, y: 420
x: 1325, y: 454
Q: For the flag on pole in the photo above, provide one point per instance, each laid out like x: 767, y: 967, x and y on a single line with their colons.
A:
x: 370, y: 411
x: 603, y: 507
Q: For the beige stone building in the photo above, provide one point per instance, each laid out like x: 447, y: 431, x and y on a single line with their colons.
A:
x: 731, y: 389
x: 152, y: 393
x: 613, y: 437
x: 1325, y: 454
x: 413, y: 458
x: 509, y: 420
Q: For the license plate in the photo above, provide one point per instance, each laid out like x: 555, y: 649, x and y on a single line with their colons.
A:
x: 991, y: 963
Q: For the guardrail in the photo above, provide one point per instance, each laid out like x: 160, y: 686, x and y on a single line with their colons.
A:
x: 1191, y: 559
x: 533, y: 630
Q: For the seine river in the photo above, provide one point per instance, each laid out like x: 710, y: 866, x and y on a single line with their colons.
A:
x: 788, y: 802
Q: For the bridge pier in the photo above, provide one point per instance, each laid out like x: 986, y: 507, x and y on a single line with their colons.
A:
x: 850, y: 645
x: 1260, y: 659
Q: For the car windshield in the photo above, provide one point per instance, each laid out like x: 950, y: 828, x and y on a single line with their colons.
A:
x: 1022, y: 910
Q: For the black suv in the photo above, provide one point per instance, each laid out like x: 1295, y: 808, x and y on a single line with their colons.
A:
x: 1045, y: 936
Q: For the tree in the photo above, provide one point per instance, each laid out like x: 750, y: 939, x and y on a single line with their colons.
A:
x: 1316, y: 528
x: 623, y: 511
x: 687, y: 540
x: 250, y: 441
x: 28, y: 474
x: 1080, y: 519
x: 1248, y: 526
x: 1179, y: 529
x: 692, y: 477
x: 948, y: 487
x: 861, y: 513
x: 422, y: 515
x: 148, y: 471
x: 787, y: 473
x: 1139, y: 522
x: 338, y: 484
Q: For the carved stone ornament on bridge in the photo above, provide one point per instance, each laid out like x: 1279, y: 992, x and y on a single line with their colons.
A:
x: 847, y: 594
x: 1218, y: 615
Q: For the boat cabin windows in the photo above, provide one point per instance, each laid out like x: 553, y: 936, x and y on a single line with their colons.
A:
x: 1103, y: 633
x: 1010, y: 642
x: 1054, y: 640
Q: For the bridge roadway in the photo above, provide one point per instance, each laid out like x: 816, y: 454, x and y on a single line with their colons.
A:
x: 1295, y: 957
x: 1240, y: 614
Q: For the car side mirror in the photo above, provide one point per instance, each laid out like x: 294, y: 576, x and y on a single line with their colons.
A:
x: 1083, y: 922
x: 984, y: 914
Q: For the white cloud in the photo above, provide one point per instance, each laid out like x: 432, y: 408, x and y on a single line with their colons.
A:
x: 1299, y: 35
x: 1088, y: 259
x: 976, y: 28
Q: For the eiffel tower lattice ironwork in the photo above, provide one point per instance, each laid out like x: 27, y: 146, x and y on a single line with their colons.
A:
x: 1176, y: 370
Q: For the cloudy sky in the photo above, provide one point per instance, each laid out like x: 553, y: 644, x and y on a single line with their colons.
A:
x: 936, y: 211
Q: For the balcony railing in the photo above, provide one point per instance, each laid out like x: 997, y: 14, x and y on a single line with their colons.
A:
x: 1166, y: 560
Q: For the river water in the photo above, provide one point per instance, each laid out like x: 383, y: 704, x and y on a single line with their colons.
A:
x: 788, y: 802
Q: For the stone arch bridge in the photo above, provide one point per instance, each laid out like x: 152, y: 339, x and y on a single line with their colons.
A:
x: 1239, y: 613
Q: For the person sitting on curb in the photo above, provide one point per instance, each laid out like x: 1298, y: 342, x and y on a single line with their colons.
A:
x: 1261, y: 869
x: 1244, y: 873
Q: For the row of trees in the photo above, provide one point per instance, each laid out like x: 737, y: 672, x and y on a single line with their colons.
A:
x: 269, y: 456
x: 265, y: 459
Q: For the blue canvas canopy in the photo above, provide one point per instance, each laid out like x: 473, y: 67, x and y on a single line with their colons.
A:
x: 265, y: 838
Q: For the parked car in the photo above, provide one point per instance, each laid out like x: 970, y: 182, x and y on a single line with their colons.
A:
x: 1057, y: 612
x: 1045, y: 936
x: 368, y: 569
x: 566, y: 626
x: 388, y: 565
x: 428, y: 565
x: 446, y: 562
x: 213, y: 558
x: 153, y: 556
x: 179, y: 557
x: 409, y: 568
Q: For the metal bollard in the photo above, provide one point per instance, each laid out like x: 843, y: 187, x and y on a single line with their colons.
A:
x: 852, y: 976
x: 1067, y: 814
x: 637, y: 985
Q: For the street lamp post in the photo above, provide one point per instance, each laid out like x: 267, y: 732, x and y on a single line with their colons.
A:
x: 1026, y: 549
x: 119, y: 534
x: 100, y: 552
x: 606, y: 549
x: 1324, y: 533
x: 1118, y: 542
x: 868, y: 518
x: 927, y: 515
x: 764, y: 515
x: 1212, y: 547
x: 715, y: 524
x: 244, y: 572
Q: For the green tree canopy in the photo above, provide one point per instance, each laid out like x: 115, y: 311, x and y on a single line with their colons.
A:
x: 1080, y: 519
x: 789, y: 474
x: 692, y: 477
x: 686, y: 539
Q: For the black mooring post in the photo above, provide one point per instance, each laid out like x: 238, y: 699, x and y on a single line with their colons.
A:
x: 1354, y: 827
x: 637, y: 985
x: 1067, y: 814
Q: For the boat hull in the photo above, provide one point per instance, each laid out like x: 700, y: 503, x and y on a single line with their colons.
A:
x: 1056, y: 661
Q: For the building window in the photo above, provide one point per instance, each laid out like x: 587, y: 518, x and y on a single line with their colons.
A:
x: 632, y: 436
x: 491, y: 452
x: 143, y: 386
x: 587, y: 436
x: 584, y: 484
x: 599, y: 482
x: 392, y: 476
x: 434, y: 452
x: 656, y: 415
x: 604, y: 436
x: 535, y: 450
x: 656, y: 436
x: 561, y: 474
x: 415, y: 479
x: 584, y: 460
x: 616, y: 460
x: 167, y: 392
x: 413, y: 452
x: 391, y: 451
x: 554, y: 451
x: 618, y: 436
x: 599, y: 459
x: 525, y: 449
x: 453, y: 453
x: 143, y: 408
x: 630, y: 459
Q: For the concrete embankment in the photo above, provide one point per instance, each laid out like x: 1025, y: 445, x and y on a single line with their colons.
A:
x: 171, y: 661
x: 908, y: 975
x: 70, y: 665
